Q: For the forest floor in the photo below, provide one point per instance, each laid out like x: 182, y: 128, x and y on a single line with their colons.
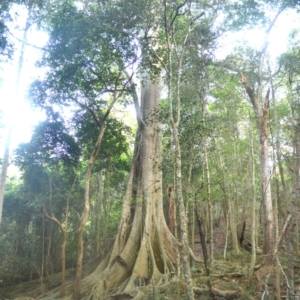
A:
x: 228, y: 278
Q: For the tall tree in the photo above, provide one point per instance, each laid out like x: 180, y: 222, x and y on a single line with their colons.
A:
x: 261, y: 106
x: 144, y: 249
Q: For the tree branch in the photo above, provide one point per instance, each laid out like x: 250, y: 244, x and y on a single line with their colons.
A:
x: 249, y: 91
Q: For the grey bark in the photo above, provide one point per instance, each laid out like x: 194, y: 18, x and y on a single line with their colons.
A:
x: 293, y: 205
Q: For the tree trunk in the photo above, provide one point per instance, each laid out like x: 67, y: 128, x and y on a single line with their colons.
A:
x: 86, y: 210
x: 4, y: 168
x: 253, y: 224
x: 184, y: 239
x: 171, y: 209
x: 269, y: 241
x: 202, y: 241
x: 99, y: 199
x: 210, y: 208
x: 282, y: 201
x: 144, y: 251
x: 230, y: 212
x: 261, y: 116
x: 293, y: 207
x: 277, y: 202
x: 63, y: 229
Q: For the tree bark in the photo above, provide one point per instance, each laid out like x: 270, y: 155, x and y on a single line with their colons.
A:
x: 210, y: 208
x: 202, y: 240
x: 253, y: 187
x: 182, y: 216
x: 99, y: 199
x: 171, y: 209
x: 293, y: 207
x: 144, y: 250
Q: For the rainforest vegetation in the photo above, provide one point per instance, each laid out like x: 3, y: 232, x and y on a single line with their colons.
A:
x: 167, y: 163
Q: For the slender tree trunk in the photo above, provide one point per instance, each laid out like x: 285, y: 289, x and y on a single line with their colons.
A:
x: 5, y: 164
x: 210, y: 208
x: 253, y: 187
x: 179, y: 194
x: 193, y: 226
x: 99, y: 199
x: 182, y: 216
x: 282, y: 201
x: 277, y: 159
x: 230, y: 207
x: 226, y: 234
x: 293, y: 205
x: 171, y: 209
x: 85, y: 214
x: 269, y: 241
x: 64, y: 239
x: 43, y: 255
x: 261, y: 116
x: 202, y: 241
x: 174, y: 124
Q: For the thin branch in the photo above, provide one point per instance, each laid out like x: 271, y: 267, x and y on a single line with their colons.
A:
x: 91, y: 111
x: 135, y: 100
x: 282, y: 233
x: 26, y: 43
x: 249, y: 91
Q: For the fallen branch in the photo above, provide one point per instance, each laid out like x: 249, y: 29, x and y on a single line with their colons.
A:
x: 217, y: 292
x: 227, y: 275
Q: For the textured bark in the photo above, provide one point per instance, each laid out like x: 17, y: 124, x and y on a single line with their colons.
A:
x: 253, y: 229
x: 202, y: 240
x: 293, y: 208
x: 99, y: 199
x: 278, y: 203
x: 171, y: 209
x: 182, y: 216
x: 266, y: 183
x: 210, y: 209
x: 144, y: 252
x: 282, y: 200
